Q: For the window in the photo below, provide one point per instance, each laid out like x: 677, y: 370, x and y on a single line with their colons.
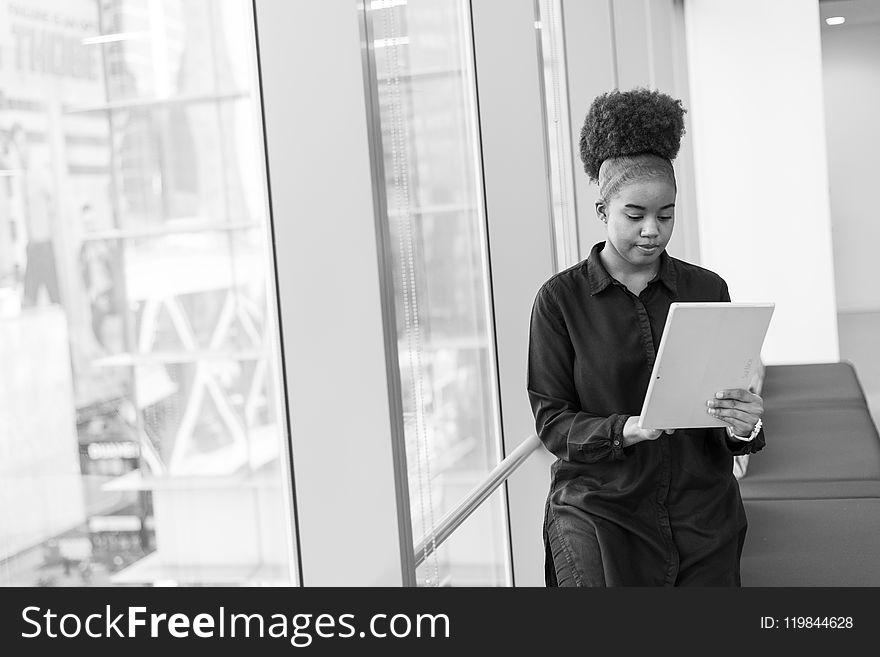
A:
x: 424, y: 78
x: 142, y: 431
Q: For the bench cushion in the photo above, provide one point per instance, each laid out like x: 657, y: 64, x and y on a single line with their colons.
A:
x: 812, y: 543
x: 804, y: 490
x: 817, y: 444
x: 811, y: 385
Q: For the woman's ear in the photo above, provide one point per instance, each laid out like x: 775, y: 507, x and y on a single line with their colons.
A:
x: 601, y: 211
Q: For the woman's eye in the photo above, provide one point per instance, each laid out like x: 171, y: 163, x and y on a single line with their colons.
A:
x: 634, y: 218
x: 664, y: 218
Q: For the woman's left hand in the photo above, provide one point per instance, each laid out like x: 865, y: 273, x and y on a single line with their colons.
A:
x: 740, y: 409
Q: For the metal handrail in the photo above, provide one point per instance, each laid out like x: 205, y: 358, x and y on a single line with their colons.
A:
x: 452, y: 520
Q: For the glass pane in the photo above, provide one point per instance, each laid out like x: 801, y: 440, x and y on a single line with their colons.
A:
x: 142, y: 436
x: 559, y: 138
x: 427, y: 107
x: 461, y: 560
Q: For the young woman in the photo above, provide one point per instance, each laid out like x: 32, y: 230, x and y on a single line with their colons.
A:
x: 629, y: 506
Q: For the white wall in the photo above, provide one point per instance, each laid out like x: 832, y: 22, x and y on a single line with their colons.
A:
x: 851, y: 66
x: 761, y: 173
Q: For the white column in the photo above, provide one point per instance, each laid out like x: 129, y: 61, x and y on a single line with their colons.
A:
x: 340, y: 359
x: 761, y: 171
x: 591, y: 70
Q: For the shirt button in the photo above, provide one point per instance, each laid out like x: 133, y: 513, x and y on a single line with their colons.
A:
x: 616, y: 442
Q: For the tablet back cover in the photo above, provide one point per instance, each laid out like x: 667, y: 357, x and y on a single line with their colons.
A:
x: 705, y: 348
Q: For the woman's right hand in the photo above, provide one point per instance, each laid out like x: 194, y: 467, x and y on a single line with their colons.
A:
x: 632, y: 434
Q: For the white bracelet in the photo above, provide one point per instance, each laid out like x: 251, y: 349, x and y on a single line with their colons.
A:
x: 751, y: 436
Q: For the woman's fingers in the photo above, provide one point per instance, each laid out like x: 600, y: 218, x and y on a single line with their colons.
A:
x: 741, y: 417
x: 737, y: 399
x: 738, y: 394
x: 734, y: 413
x: 731, y: 403
x: 741, y: 400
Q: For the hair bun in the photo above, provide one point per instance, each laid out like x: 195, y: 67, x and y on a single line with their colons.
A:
x: 630, y: 123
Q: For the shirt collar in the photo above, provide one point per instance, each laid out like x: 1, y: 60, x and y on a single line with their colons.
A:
x: 599, y: 278
x: 597, y: 275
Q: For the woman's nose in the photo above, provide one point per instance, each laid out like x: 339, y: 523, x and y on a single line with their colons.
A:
x: 650, y: 228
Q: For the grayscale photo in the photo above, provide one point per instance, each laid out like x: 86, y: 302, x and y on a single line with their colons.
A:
x: 437, y: 294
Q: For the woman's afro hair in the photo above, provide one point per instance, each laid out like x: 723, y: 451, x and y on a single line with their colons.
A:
x: 631, y: 123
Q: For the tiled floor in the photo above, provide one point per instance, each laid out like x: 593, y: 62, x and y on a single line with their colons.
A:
x: 860, y: 344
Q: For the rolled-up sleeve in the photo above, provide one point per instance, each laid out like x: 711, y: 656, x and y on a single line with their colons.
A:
x: 566, y: 430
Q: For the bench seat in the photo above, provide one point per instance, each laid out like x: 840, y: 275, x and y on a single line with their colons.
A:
x: 812, y: 495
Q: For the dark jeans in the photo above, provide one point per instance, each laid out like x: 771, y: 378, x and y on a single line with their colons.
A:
x: 573, y: 557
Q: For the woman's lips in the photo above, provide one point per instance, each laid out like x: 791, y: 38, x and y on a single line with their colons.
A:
x: 648, y: 248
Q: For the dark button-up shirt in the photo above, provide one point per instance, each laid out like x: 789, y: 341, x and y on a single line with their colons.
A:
x: 592, y: 347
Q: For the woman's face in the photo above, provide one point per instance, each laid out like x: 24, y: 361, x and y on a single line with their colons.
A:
x: 639, y: 220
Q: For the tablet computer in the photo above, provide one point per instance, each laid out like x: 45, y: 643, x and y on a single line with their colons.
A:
x: 705, y: 348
